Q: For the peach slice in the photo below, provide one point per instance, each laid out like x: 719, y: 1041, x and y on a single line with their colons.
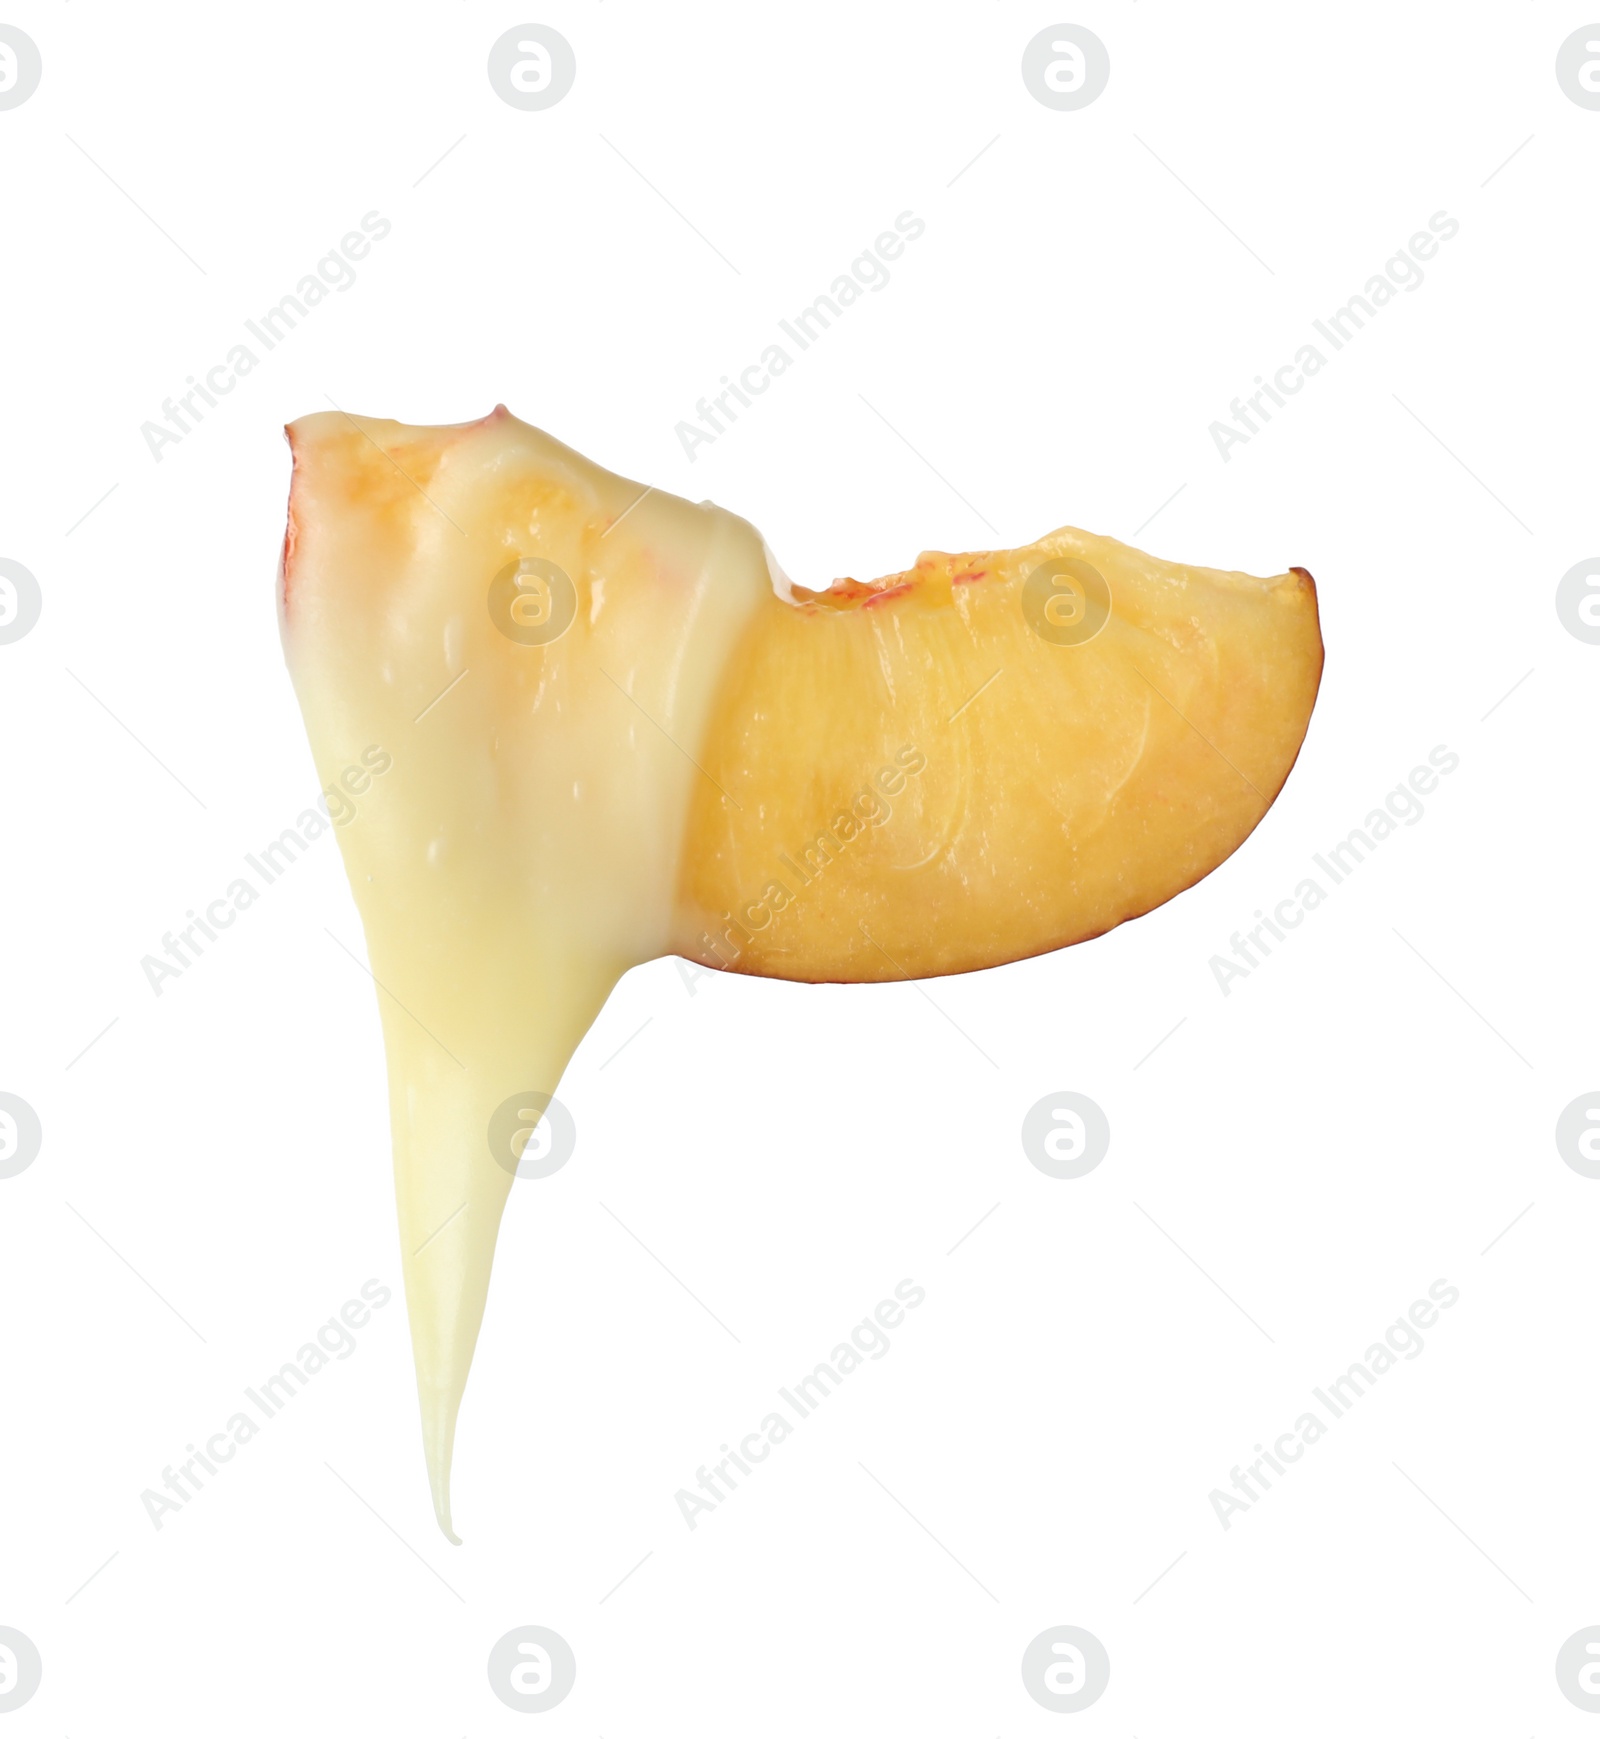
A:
x: 942, y: 770
x: 617, y: 732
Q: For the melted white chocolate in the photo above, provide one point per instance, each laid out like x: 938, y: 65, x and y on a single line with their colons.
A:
x: 524, y: 850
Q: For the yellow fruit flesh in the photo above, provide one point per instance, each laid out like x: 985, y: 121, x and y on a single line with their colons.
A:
x: 1066, y: 787
x: 650, y: 780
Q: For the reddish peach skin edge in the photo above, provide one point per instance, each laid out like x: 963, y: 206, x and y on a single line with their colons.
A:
x: 291, y: 530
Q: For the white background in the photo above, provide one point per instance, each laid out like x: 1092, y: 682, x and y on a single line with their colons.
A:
x: 1361, y: 1116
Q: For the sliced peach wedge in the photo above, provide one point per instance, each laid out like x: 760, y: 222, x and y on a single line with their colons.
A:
x: 615, y: 731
